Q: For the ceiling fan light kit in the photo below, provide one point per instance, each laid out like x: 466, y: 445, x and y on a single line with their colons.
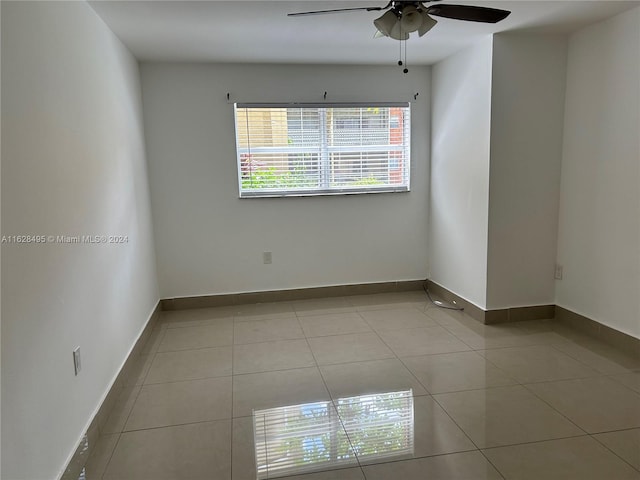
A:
x: 398, y: 33
x: 411, y: 19
x: 386, y: 22
x: 427, y: 24
x: 398, y: 24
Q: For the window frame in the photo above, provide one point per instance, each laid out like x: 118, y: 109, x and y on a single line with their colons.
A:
x: 326, y: 151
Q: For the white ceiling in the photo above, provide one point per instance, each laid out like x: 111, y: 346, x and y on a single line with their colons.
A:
x: 260, y: 32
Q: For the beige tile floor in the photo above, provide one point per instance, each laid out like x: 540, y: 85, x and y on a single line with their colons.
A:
x: 529, y: 400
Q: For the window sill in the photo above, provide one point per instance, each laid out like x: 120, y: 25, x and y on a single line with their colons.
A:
x: 320, y: 193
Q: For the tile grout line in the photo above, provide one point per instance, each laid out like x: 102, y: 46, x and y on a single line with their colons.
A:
x: 106, y: 465
x: 550, y: 345
x: 324, y: 382
x: 524, y: 385
x: 492, y: 464
x: 403, y: 364
x: 574, y: 357
x: 233, y: 342
x: 437, y: 403
x: 508, y: 376
x: 183, y: 424
x: 611, y: 450
x: 478, y: 449
x: 534, y: 442
x: 587, y: 435
x: 612, y: 377
x: 108, y: 462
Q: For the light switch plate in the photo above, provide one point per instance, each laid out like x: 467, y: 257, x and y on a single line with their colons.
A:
x: 77, y: 364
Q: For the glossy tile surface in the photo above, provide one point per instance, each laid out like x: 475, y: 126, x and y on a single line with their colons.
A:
x: 274, y: 389
x: 138, y: 370
x: 537, y: 363
x: 451, y: 372
x: 196, y: 316
x: 596, y: 405
x: 624, y: 443
x: 121, y: 410
x: 190, y: 365
x: 189, y: 452
x: 243, y: 462
x: 201, y: 336
x: 322, y: 306
x: 350, y: 379
x: 580, y: 458
x: 505, y: 415
x: 333, y: 324
x: 600, y: 356
x: 99, y: 458
x: 631, y: 380
x: 397, y: 318
x: 176, y: 403
x: 342, y: 474
x: 257, y: 331
x: 432, y: 430
x: 540, y: 400
x: 349, y: 348
x: 463, y: 466
x: 264, y: 311
x: 422, y: 341
x: 263, y: 357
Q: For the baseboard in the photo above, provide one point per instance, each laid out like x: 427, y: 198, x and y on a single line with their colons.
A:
x: 491, y: 317
x: 593, y: 328
x: 206, y: 301
x: 578, y: 322
x: 519, y: 314
x: 90, y: 438
x: 581, y: 323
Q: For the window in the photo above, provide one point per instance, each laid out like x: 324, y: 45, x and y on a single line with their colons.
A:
x: 322, y: 149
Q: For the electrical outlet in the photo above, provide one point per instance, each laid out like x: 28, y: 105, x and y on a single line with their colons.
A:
x: 558, y: 274
x: 77, y: 364
x: 266, y: 258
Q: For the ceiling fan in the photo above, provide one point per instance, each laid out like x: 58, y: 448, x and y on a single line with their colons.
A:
x: 405, y: 17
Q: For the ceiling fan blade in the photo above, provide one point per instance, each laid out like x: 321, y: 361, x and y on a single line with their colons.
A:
x: 469, y: 13
x: 338, y: 10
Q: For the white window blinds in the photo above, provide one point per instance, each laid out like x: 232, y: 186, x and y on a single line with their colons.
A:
x: 315, y: 149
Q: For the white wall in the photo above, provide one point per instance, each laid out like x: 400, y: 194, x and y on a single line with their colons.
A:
x: 599, y: 237
x: 73, y: 163
x: 0, y: 259
x: 459, y: 206
x: 211, y: 242
x: 527, y: 112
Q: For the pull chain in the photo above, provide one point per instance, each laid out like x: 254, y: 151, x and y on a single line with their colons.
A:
x: 406, y: 70
x: 400, y: 63
x: 400, y: 51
